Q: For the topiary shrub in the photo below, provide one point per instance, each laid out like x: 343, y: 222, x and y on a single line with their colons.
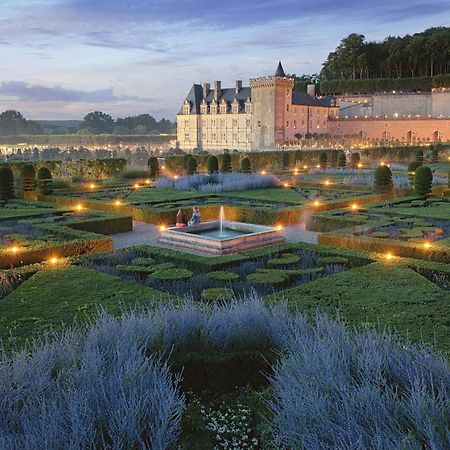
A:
x: 6, y: 184
x: 28, y: 176
x: 285, y: 160
x: 419, y: 156
x: 380, y: 235
x: 44, y: 181
x: 355, y: 159
x: 271, y: 278
x: 285, y: 260
x: 383, y: 180
x: 423, y: 181
x: 412, y: 167
x: 326, y: 260
x: 226, y: 163
x: 246, y: 165
x: 342, y: 160
x: 143, y: 262
x: 434, y: 154
x: 191, y: 165
x: 222, y: 275
x: 172, y: 274
x: 323, y: 160
x: 153, y: 166
x: 217, y: 294
x: 212, y: 164
x: 334, y: 158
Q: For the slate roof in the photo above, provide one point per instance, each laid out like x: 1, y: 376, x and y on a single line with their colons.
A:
x: 302, y: 98
x: 280, y: 71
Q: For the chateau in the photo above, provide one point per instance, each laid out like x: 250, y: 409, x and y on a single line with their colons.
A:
x: 271, y: 113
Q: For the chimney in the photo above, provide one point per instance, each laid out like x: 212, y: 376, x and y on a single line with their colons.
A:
x: 217, y: 90
x: 238, y: 86
x: 311, y: 90
x: 206, y: 89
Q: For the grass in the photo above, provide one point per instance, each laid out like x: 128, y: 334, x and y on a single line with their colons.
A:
x: 66, y: 295
x: 143, y: 195
x: 17, y: 209
x: 383, y: 296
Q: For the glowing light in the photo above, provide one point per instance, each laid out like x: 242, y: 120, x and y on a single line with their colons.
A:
x: 382, y: 163
x: 426, y: 245
x: 79, y: 207
x: 354, y: 207
x: 175, y: 177
x: 359, y: 165
x: 327, y: 182
x: 389, y: 256
x: 53, y: 261
x: 295, y: 172
x: 263, y: 172
x: 163, y: 167
x: 305, y: 167
x: 92, y: 186
x: 286, y: 185
x: 118, y: 203
x: 318, y: 166
x: 316, y: 203
x: 14, y: 249
x: 279, y: 227
x: 162, y: 228
x: 136, y: 185
x: 147, y: 181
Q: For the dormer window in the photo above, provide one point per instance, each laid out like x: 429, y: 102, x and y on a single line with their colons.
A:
x: 223, y: 107
x: 248, y: 106
x: 213, y: 107
x: 204, y: 108
x: 235, y: 107
x: 186, y: 107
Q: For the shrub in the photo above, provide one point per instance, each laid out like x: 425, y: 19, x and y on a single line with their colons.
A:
x: 342, y: 160
x: 28, y: 176
x: 44, y: 181
x: 419, y: 156
x: 142, y: 261
x: 434, y: 154
x: 355, y: 159
x: 88, y: 392
x: 191, y: 165
x: 221, y: 275
x: 412, y: 167
x: 423, y: 181
x: 153, y: 166
x: 246, y: 165
x: 285, y: 260
x: 217, y: 294
x: 285, y: 160
x: 212, y: 164
x: 270, y: 278
x: 326, y: 260
x: 383, y: 180
x: 334, y: 158
x: 338, y: 389
x: 6, y: 183
x: 226, y: 163
x: 323, y: 159
x: 172, y: 274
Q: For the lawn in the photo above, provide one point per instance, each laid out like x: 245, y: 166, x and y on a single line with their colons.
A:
x: 383, y: 295
x: 16, y: 209
x: 65, y: 295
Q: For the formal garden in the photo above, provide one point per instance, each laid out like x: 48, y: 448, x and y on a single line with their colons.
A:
x: 342, y: 343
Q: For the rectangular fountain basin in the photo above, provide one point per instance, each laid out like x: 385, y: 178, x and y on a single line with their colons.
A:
x: 206, y: 237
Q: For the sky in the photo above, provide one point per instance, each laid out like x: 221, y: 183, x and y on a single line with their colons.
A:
x: 60, y: 59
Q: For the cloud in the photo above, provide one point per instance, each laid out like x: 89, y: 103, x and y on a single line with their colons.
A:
x: 23, y: 91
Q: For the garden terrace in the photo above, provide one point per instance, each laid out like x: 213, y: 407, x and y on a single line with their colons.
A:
x: 56, y: 233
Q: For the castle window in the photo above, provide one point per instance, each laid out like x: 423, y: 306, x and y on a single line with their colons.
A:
x: 287, y: 124
x: 295, y: 124
x: 186, y: 108
x: 186, y: 123
x: 235, y: 123
x: 287, y: 108
x: 248, y: 107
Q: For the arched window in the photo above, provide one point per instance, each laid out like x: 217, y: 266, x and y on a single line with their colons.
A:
x: 187, y: 107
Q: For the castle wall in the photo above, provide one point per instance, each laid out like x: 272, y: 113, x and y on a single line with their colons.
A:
x: 402, y: 104
x: 412, y: 130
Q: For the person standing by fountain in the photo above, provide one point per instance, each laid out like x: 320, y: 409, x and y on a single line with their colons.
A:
x: 195, y: 219
x: 181, y: 219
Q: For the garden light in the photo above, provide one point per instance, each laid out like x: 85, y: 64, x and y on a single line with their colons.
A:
x: 136, y: 185
x: 327, y: 182
x: 147, y: 181
x: 316, y: 203
x: 389, y: 256
x: 279, y: 227
x: 175, y: 177
x: 318, y: 166
x: 286, y: 185
x: 263, y: 172
x: 354, y: 207
x: 426, y: 245
x: 92, y: 186
x: 118, y: 203
x: 162, y: 228
x: 359, y: 165
x: 14, y: 249
x: 53, y: 261
x: 79, y: 207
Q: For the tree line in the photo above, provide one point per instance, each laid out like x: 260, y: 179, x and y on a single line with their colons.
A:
x: 13, y: 123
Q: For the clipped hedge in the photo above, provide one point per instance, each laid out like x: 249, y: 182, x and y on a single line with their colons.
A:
x: 221, y: 275
x: 217, y: 294
x: 171, y: 274
x: 272, y: 278
x: 286, y: 259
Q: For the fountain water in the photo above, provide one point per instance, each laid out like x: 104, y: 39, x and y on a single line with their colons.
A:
x: 221, y: 219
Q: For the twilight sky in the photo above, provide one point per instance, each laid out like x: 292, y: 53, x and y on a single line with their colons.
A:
x: 61, y: 59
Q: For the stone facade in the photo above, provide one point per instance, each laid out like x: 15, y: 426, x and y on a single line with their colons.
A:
x: 270, y: 113
x: 262, y: 116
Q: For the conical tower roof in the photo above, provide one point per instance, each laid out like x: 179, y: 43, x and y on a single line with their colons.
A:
x: 280, y: 70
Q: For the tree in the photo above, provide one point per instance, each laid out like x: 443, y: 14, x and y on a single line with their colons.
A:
x: 383, y: 180
x: 28, y: 176
x: 434, y: 154
x: 334, y: 158
x: 6, y: 184
x: 246, y: 165
x: 355, y: 159
x: 412, y: 167
x: 212, y: 164
x: 342, y: 160
x: 153, y: 166
x: 323, y: 159
x: 98, y: 122
x: 191, y: 165
x: 44, y: 181
x: 226, y: 163
x: 13, y: 123
x: 423, y: 181
x: 419, y: 156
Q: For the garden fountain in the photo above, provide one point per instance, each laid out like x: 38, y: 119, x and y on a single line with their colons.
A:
x: 221, y: 237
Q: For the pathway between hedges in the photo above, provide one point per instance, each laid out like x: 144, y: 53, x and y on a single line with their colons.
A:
x: 144, y: 233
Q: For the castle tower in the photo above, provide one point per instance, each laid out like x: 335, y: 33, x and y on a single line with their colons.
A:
x: 272, y: 99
